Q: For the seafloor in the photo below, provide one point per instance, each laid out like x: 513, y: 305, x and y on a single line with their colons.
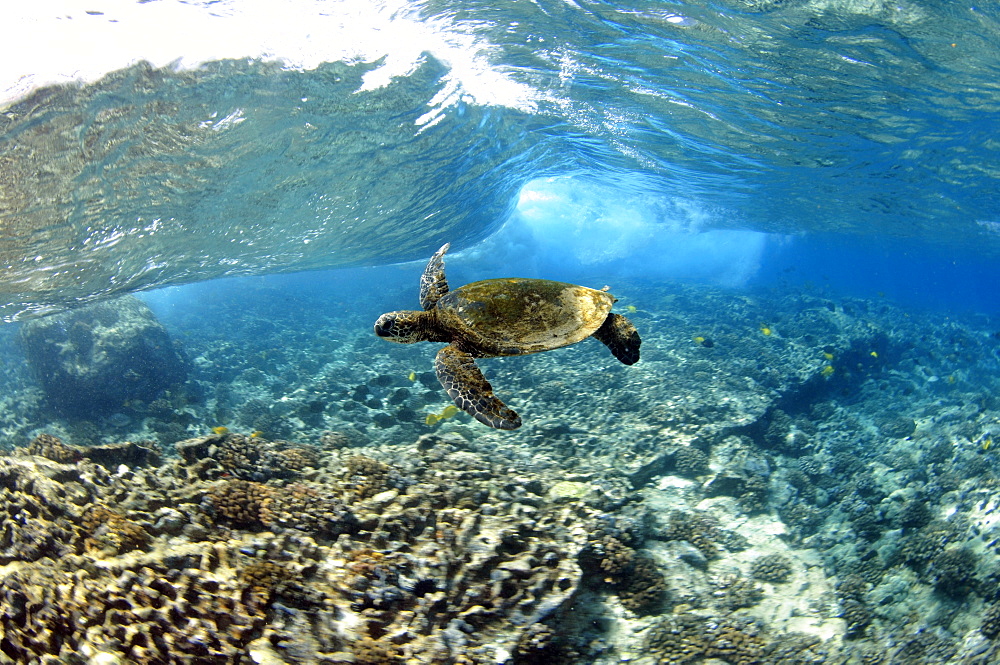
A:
x: 782, y: 479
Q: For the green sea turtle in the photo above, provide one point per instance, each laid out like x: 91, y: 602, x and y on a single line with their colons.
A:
x: 503, y: 317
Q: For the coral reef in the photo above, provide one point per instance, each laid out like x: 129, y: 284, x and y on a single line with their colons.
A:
x: 110, y: 455
x: 737, y: 502
x: 643, y: 589
x: 692, y: 638
x: 954, y: 571
x: 240, y: 501
x: 690, y: 462
x: 854, y: 609
x: 255, y: 458
x: 771, y: 568
x: 307, y: 507
x: 736, y: 592
x: 365, y: 560
x: 145, y: 613
x: 53, y: 448
x: 111, y: 532
x: 990, y: 626
x: 698, y: 529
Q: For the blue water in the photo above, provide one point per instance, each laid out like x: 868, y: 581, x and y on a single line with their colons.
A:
x: 912, y: 274
x: 651, y: 126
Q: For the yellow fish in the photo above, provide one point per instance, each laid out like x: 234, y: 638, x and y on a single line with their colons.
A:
x: 827, y: 371
x: 874, y: 354
x: 828, y: 355
x: 220, y: 430
x: 446, y: 412
x: 412, y: 376
x: 698, y: 339
x: 256, y: 434
x: 766, y: 330
x: 631, y: 309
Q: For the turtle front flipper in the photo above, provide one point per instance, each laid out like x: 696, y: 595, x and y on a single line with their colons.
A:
x: 620, y: 336
x: 433, y: 285
x: 468, y: 388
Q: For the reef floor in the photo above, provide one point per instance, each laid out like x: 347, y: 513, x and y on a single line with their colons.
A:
x: 780, y: 479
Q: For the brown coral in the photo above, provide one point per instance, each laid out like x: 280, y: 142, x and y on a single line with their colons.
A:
x: 615, y: 556
x: 853, y: 608
x: 754, y: 496
x: 52, y: 447
x: 454, y: 561
x: 698, y: 529
x: 690, y: 462
x: 251, y: 458
x: 265, y: 579
x: 735, y: 592
x: 110, y: 531
x: 334, y: 440
x: 644, y: 588
x: 990, y: 626
x: 367, y: 651
x: 691, y: 638
x: 148, y: 615
x: 305, y: 507
x: 366, y: 476
x: 240, y: 501
x: 771, y: 568
x: 298, y: 458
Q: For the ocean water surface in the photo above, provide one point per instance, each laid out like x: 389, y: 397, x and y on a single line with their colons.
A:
x: 210, y: 457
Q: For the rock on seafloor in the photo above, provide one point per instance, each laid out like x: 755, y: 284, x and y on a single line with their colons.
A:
x: 92, y: 360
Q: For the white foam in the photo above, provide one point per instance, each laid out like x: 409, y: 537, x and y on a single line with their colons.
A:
x: 585, y: 223
x: 59, y: 41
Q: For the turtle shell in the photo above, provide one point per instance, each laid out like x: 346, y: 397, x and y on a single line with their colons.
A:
x: 518, y: 316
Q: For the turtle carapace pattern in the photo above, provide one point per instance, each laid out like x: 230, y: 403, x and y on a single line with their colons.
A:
x: 503, y: 317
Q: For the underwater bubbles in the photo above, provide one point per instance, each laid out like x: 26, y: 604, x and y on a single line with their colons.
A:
x: 574, y: 227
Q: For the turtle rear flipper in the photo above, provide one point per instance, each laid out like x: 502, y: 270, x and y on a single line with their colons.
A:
x: 468, y: 388
x: 433, y: 285
x: 620, y: 336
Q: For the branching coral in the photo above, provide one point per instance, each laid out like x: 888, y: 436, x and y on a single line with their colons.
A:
x: 698, y: 529
x: 772, y: 568
x: 53, y: 448
x: 692, y: 638
x: 111, y: 531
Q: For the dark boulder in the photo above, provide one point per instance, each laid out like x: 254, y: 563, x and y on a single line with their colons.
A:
x: 91, y: 361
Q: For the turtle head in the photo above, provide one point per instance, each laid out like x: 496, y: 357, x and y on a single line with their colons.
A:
x: 406, y: 327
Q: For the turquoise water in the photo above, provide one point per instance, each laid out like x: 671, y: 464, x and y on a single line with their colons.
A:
x: 865, y: 120
x: 208, y: 456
